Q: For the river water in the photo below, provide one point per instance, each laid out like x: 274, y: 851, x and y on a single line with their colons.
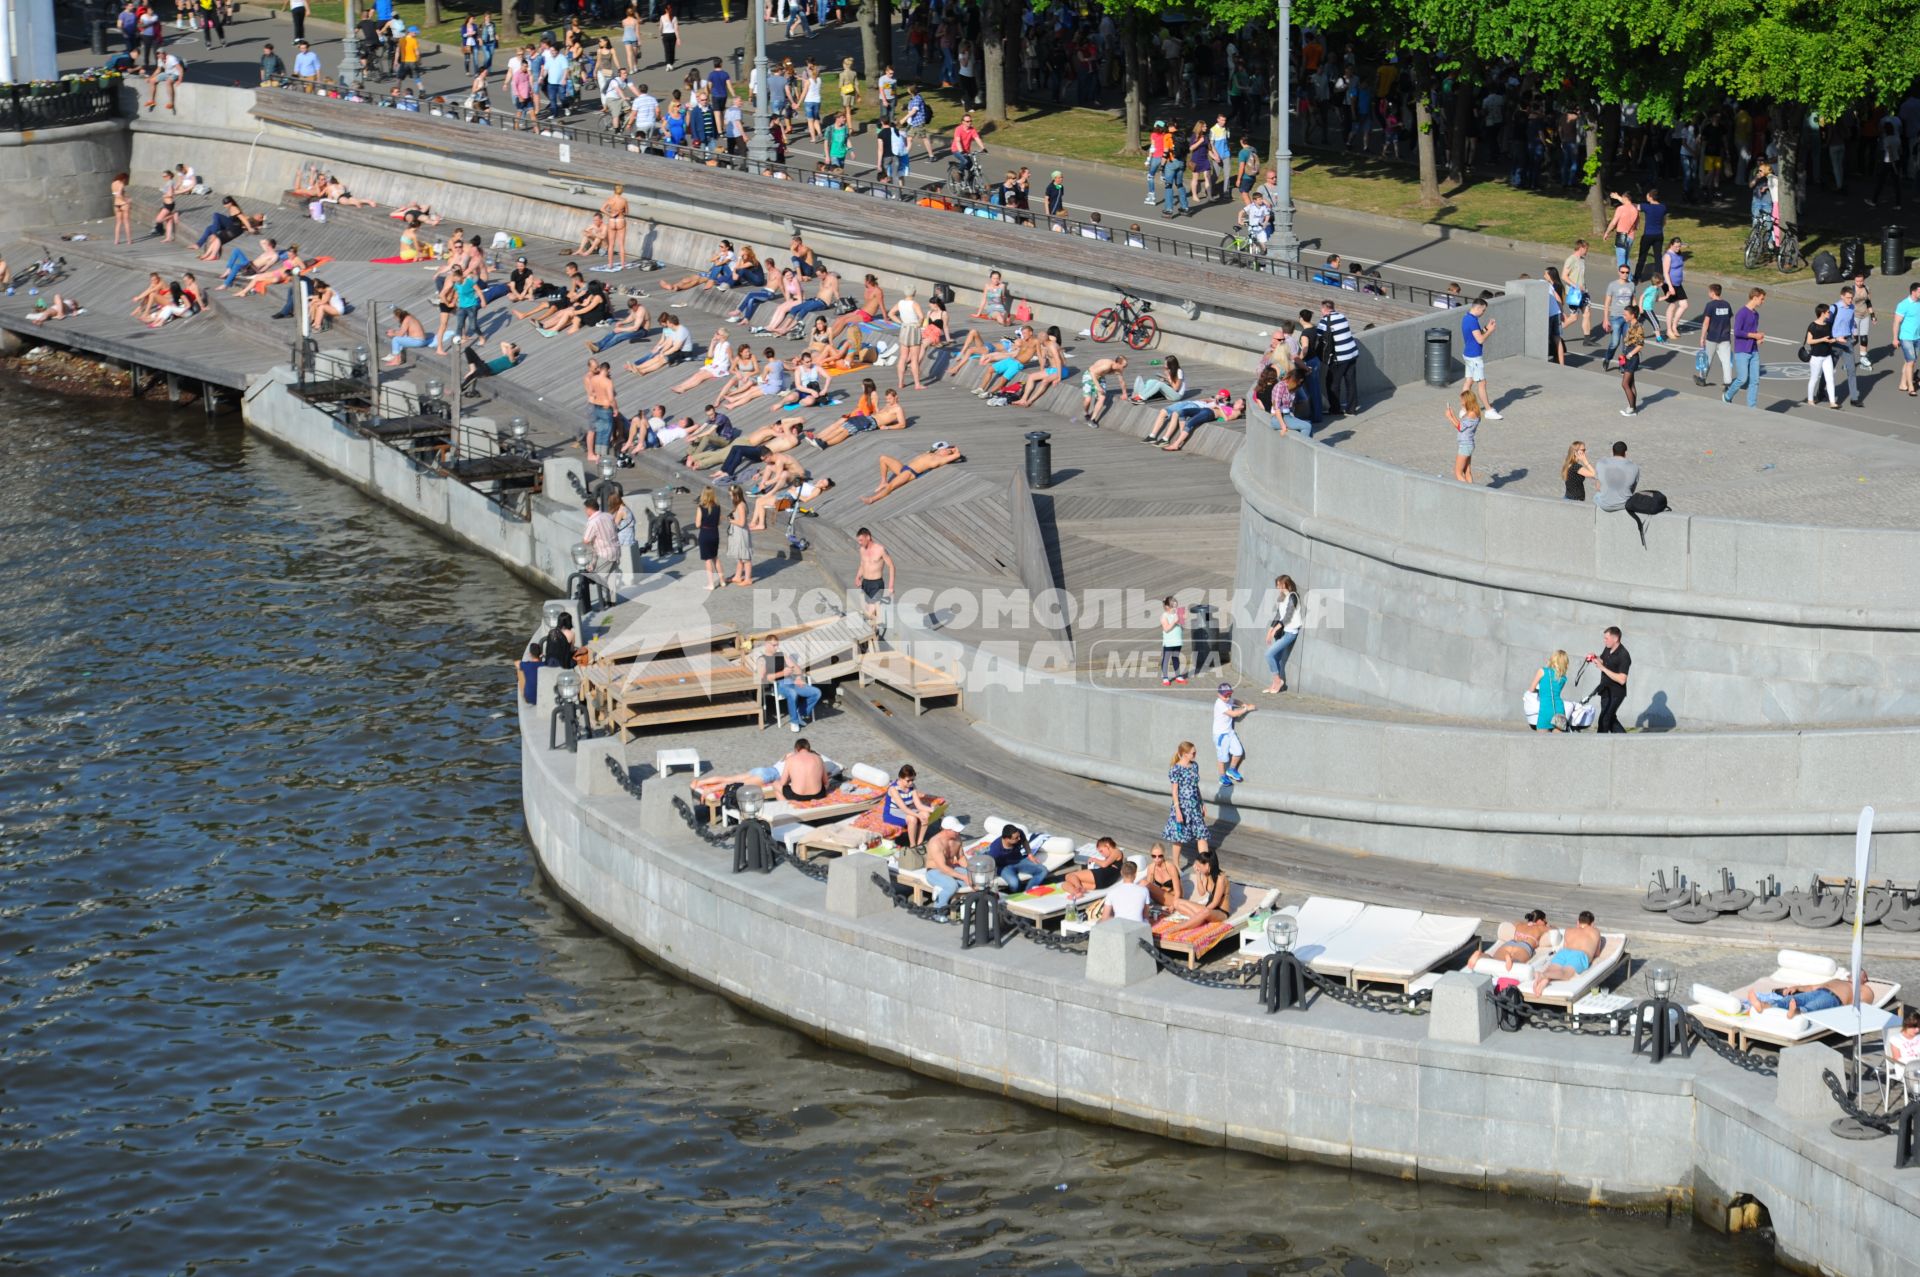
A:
x: 280, y: 986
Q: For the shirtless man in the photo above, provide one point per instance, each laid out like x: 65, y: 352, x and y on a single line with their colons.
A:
x: 1094, y: 396
x: 946, y: 862
x: 783, y: 320
x: 803, y: 774
x: 593, y: 236
x: 1001, y: 372
x: 801, y: 490
x: 891, y: 416
x: 1795, y: 999
x: 1578, y: 948
x: 873, y: 573
x: 1521, y: 948
x: 603, y: 408
x: 742, y: 454
x: 615, y: 210
x: 779, y: 432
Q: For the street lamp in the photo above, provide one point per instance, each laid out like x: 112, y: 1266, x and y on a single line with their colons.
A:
x: 981, y: 920
x: 349, y: 73
x: 1283, y: 977
x: 760, y: 141
x: 1659, y: 1027
x: 1283, y: 242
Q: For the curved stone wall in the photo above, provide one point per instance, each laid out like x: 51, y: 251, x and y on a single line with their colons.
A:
x: 1453, y: 595
x: 1576, y: 1119
x: 61, y: 177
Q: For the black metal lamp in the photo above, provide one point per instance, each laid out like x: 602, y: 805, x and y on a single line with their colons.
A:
x: 566, y: 727
x: 752, y: 837
x: 588, y: 594
x: 1659, y: 1027
x: 1283, y: 977
x: 981, y: 919
x: 517, y: 443
x: 359, y: 371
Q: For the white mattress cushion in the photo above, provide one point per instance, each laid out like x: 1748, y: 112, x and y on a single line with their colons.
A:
x: 870, y: 774
x: 1776, y: 1020
x: 1815, y: 967
x: 1714, y: 1000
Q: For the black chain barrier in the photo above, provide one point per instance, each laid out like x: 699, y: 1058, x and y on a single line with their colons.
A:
x: 1371, y: 1000
x: 1751, y: 1061
x: 1246, y: 977
x: 903, y: 899
x: 1058, y: 941
x: 623, y: 775
x: 816, y: 870
x: 1882, y: 1122
x: 708, y: 834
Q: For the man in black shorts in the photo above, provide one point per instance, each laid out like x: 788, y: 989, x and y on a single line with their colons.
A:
x: 874, y: 573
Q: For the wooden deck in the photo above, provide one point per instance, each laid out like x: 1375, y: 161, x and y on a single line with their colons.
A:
x: 1119, y: 514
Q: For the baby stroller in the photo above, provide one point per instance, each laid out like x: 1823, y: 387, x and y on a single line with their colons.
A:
x: 1577, y: 716
x: 795, y: 509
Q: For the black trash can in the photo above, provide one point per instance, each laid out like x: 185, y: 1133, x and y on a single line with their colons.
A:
x: 1039, y: 459
x: 1439, y: 357
x: 1893, y: 251
x: 98, y: 30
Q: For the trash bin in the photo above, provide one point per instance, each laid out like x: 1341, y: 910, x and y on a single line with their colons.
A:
x: 1893, y: 251
x: 1439, y: 357
x: 1039, y: 459
x: 98, y: 30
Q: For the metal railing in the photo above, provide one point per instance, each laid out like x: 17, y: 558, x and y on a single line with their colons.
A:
x: 57, y: 102
x: 924, y: 193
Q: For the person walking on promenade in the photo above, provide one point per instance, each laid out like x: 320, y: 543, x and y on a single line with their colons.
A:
x: 1653, y: 216
x: 1573, y: 273
x: 1549, y: 685
x: 601, y: 537
x: 1613, y: 662
x: 1821, y: 344
x: 1476, y: 327
x: 1227, y: 713
x: 1614, y: 307
x: 1716, y: 337
x: 873, y: 573
x: 1846, y: 327
x: 1673, y: 269
x: 1465, y: 423
x: 1630, y: 349
x: 1187, y: 820
x: 1173, y: 178
x: 1746, y: 348
x: 1343, y: 394
x: 1282, y: 632
x: 1625, y: 220
x: 1907, y: 318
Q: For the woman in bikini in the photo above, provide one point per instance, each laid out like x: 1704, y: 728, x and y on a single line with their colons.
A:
x: 149, y: 297
x: 904, y: 807
x: 122, y: 210
x: 1051, y: 368
x: 1520, y: 948
x: 337, y: 193
x: 168, y: 217
x: 1163, y: 877
x: 1211, y: 890
x: 446, y: 299
x: 1101, y: 872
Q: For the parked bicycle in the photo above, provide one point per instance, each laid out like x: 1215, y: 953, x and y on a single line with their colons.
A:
x: 1128, y: 321
x: 1761, y: 245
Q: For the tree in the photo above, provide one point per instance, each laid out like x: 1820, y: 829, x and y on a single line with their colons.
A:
x: 509, y: 24
x: 431, y: 18
x: 993, y: 59
x: 876, y: 35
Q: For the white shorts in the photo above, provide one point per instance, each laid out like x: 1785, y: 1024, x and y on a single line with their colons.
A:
x: 1476, y: 367
x: 1228, y: 747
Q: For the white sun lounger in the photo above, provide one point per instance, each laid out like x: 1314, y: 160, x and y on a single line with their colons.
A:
x: 1321, y: 919
x: 1727, y: 1012
x: 1432, y: 939
x: 1378, y: 927
x: 1560, y: 993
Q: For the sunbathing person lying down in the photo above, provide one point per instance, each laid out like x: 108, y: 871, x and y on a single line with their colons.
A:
x: 1525, y: 942
x: 1797, y: 999
x: 895, y: 475
x: 1578, y: 948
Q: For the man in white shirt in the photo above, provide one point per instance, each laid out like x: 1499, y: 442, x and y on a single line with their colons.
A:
x: 1126, y: 899
x: 646, y: 114
x: 600, y: 537
x: 1227, y: 712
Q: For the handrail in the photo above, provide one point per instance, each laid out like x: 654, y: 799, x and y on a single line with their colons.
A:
x: 24, y: 107
x: 927, y: 194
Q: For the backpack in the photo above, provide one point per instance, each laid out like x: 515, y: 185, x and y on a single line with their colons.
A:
x: 899, y: 143
x: 1645, y: 503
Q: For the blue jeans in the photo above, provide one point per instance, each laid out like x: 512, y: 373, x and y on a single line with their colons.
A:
x: 600, y: 426
x: 404, y: 342
x: 1154, y: 164
x: 1315, y: 407
x: 797, y: 695
x: 1277, y: 653
x: 1815, y: 1000
x: 1616, y: 335
x: 753, y: 301
x: 1746, y: 371
x: 1623, y: 253
x: 236, y: 262
x: 1292, y: 422
x: 615, y: 339
x: 1021, y: 873
x: 945, y: 887
x: 1175, y: 186
x: 466, y: 322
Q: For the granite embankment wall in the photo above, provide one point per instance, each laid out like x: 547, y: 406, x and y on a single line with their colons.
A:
x: 1452, y: 596
x: 60, y: 177
x: 1575, y: 1119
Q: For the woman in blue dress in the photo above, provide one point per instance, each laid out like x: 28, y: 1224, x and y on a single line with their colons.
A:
x: 1548, y: 683
x: 1187, y: 821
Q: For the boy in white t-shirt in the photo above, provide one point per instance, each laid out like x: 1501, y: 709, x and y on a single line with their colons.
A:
x: 1226, y: 741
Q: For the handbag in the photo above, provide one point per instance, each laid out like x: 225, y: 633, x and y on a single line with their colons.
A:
x: 1575, y: 297
x: 911, y: 858
x: 1803, y: 354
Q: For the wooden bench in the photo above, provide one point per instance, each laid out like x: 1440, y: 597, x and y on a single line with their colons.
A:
x: 911, y: 677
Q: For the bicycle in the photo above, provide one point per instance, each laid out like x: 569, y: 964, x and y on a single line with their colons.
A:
x: 1760, y: 246
x: 1240, y: 240
x: 1128, y: 321
x: 963, y: 174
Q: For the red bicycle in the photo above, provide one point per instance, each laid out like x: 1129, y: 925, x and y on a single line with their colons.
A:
x: 1128, y: 321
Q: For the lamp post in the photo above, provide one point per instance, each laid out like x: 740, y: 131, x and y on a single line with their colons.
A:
x: 565, y: 729
x: 753, y: 837
x: 349, y: 73
x: 980, y: 920
x: 1283, y: 978
x: 1659, y: 1029
x: 1284, y: 243
x: 760, y: 141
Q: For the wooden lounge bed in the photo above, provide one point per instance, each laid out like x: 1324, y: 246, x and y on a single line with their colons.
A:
x: 911, y: 677
x: 1197, y: 939
x: 1774, y: 1027
x: 1560, y: 993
